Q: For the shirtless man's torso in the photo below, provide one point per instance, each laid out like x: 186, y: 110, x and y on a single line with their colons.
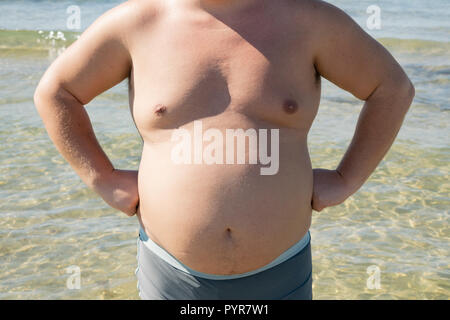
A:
x: 253, y: 64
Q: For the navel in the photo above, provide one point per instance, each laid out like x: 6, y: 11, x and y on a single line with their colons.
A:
x: 290, y: 106
x: 160, y: 110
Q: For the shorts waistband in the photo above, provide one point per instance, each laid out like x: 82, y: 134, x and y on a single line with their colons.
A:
x: 169, y: 258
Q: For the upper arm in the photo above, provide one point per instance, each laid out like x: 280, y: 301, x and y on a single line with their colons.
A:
x: 95, y: 62
x: 350, y: 58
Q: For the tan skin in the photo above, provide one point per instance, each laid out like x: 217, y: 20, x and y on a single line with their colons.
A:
x: 231, y: 64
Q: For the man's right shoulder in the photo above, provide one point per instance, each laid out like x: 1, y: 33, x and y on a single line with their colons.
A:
x: 122, y: 23
x: 135, y: 13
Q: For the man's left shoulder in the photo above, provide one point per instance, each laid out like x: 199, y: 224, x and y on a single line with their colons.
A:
x: 314, y: 11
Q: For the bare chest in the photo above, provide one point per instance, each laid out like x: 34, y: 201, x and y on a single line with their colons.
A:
x: 182, y: 74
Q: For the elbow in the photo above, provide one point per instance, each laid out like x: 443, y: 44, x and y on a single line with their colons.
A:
x: 49, y: 90
x: 402, y: 95
x: 38, y: 97
x: 409, y: 92
x: 412, y: 91
x: 401, y: 90
x: 408, y: 89
x: 42, y: 93
x: 404, y: 88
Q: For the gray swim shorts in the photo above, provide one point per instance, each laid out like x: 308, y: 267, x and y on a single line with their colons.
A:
x: 160, y: 280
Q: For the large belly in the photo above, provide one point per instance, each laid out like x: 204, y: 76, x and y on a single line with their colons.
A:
x: 225, y: 218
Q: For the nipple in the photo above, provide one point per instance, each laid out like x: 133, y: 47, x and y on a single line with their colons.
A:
x: 290, y: 106
x: 160, y: 109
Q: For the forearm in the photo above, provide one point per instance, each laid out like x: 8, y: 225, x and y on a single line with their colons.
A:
x: 70, y: 129
x: 378, y: 125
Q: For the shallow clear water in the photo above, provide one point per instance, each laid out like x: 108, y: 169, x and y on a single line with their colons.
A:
x: 398, y: 221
